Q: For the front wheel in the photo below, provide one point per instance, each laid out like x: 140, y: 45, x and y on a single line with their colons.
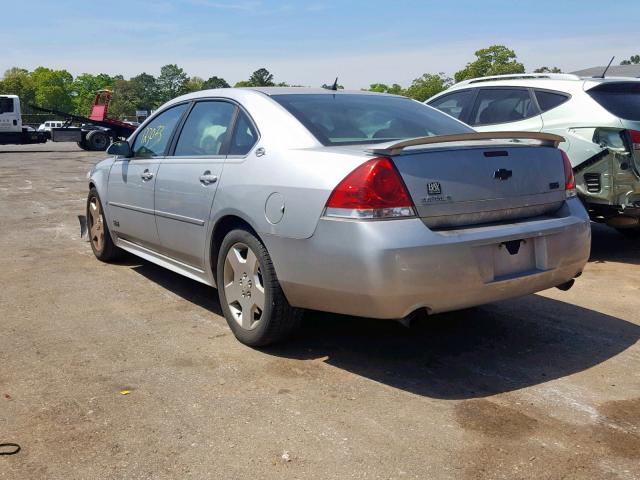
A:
x: 101, y: 243
x: 250, y: 295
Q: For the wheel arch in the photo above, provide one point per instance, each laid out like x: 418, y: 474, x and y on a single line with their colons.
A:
x: 223, y: 226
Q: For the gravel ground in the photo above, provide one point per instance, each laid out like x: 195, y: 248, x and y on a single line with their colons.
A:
x: 545, y: 386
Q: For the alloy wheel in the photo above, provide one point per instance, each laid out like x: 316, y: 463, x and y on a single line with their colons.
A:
x: 96, y: 224
x: 244, y: 286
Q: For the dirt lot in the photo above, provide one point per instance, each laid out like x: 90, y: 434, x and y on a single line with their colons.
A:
x: 546, y: 386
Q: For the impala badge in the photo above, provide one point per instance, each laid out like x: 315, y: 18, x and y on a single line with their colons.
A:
x: 434, y: 188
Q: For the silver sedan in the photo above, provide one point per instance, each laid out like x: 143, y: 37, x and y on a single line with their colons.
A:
x: 350, y: 202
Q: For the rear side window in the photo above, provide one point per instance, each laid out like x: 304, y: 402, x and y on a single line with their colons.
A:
x: 502, y: 105
x: 205, y: 130
x: 6, y: 105
x: 455, y: 104
x: 244, y: 136
x: 548, y: 100
x: 351, y: 119
x: 153, y: 138
x: 621, y: 99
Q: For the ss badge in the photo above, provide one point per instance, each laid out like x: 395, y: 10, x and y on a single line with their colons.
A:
x: 434, y: 188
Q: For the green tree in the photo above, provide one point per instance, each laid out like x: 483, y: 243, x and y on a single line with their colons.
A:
x: 145, y: 92
x: 18, y: 81
x: 84, y: 88
x: 547, y: 70
x: 494, y: 60
x: 171, y: 82
x: 53, y: 88
x: 427, y: 86
x: 633, y: 60
x: 261, y: 78
x: 394, y: 89
x: 215, y: 82
x: 243, y: 83
x: 125, y: 100
x: 194, y: 84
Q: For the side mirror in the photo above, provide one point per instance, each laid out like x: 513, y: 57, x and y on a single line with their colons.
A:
x: 120, y: 149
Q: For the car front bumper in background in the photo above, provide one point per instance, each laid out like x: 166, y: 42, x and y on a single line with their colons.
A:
x: 388, y: 269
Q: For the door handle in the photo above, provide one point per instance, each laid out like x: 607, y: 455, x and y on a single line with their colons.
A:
x: 146, y: 175
x: 207, y: 178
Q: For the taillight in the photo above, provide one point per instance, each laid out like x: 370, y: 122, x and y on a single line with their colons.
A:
x: 569, y: 179
x: 373, y: 190
x: 635, y: 139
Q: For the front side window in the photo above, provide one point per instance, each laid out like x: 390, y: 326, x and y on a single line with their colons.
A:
x: 351, y: 119
x: 548, y: 100
x: 153, y: 139
x: 205, y: 130
x: 502, y: 105
x: 456, y: 104
x: 244, y: 136
x: 6, y: 105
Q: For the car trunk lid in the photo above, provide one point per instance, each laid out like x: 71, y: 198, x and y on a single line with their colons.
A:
x: 479, y: 181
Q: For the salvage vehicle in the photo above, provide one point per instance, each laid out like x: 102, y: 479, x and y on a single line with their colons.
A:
x: 351, y: 202
x: 598, y: 117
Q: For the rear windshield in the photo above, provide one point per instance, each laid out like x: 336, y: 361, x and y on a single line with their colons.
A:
x: 621, y: 99
x: 350, y: 119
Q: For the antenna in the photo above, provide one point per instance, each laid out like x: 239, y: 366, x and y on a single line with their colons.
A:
x: 332, y: 87
x: 605, y: 70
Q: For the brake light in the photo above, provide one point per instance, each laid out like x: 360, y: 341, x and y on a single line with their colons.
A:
x: 635, y: 139
x: 373, y: 190
x: 569, y: 179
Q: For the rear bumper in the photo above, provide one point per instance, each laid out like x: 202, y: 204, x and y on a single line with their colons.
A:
x: 387, y: 269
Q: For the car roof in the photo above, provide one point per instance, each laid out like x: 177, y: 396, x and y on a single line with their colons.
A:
x: 553, y: 81
x: 308, y: 91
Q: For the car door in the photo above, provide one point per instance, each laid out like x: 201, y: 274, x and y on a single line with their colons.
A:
x: 132, y: 180
x: 505, y: 108
x: 188, y: 180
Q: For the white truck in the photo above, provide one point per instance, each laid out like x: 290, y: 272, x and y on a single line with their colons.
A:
x: 11, y: 129
x: 96, y: 133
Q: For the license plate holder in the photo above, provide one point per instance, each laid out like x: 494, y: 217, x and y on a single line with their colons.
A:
x: 514, y: 258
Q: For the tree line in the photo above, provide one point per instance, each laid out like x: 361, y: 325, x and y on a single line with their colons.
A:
x: 59, y: 90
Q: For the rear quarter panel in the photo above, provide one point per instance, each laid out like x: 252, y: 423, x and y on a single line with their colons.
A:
x: 303, y: 177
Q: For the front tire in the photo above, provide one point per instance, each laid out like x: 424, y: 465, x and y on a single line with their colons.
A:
x: 250, y: 295
x: 101, y: 243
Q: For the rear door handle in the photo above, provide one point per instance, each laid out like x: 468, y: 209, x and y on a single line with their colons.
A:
x: 146, y: 175
x: 207, y: 178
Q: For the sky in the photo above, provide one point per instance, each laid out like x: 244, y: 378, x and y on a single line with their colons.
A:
x: 312, y: 42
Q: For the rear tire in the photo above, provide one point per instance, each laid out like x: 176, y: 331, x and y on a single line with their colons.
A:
x: 97, y: 140
x: 99, y: 236
x: 250, y: 295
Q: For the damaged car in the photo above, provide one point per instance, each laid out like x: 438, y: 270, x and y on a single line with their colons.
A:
x: 599, y: 119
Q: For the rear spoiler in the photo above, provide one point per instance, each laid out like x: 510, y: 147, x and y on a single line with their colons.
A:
x: 396, y: 147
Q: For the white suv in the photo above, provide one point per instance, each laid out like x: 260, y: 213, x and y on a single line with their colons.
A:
x: 49, y: 124
x: 598, y: 117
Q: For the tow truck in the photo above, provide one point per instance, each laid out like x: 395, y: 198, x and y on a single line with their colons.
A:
x: 96, y: 133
